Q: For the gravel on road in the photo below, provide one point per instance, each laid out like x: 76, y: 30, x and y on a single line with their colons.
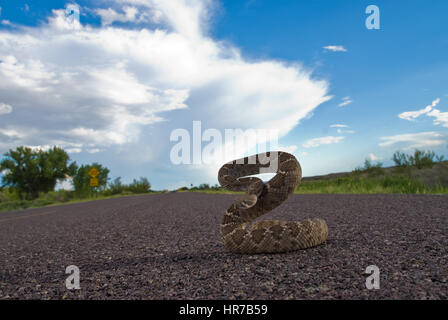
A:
x: 168, y: 246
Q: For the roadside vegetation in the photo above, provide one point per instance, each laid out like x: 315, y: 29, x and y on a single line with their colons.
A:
x: 422, y: 172
x: 30, y: 177
x: 206, y: 188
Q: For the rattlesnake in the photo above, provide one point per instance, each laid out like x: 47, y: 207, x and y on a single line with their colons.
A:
x: 260, y: 198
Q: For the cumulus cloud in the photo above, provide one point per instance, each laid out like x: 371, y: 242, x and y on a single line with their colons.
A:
x: 5, y: 108
x: 130, y: 14
x: 315, y: 142
x: 120, y: 89
x: 335, y: 48
x: 414, y: 140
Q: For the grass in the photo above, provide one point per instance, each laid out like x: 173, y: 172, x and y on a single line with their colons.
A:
x: 362, y: 185
x: 372, y: 179
x: 48, y: 200
x: 413, y: 178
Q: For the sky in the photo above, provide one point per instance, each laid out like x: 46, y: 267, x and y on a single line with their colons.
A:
x: 128, y: 80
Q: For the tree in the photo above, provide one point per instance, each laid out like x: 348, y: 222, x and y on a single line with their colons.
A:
x: 116, y: 187
x: 140, y: 186
x: 401, y: 159
x: 81, y: 179
x: 33, y: 171
x: 419, y: 159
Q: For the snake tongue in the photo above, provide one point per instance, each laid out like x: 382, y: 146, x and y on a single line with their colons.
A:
x: 245, y: 202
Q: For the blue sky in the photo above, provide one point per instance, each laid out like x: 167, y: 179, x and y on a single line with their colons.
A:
x: 113, y: 87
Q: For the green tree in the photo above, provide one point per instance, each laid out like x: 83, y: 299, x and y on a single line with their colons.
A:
x: 419, y: 159
x: 33, y: 171
x: 401, y: 159
x: 81, y: 179
x: 116, y: 187
x: 140, y: 186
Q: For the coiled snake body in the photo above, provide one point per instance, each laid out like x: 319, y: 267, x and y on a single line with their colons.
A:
x: 265, y: 236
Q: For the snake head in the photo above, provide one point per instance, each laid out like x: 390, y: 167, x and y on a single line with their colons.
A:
x: 246, y: 201
x: 256, y: 188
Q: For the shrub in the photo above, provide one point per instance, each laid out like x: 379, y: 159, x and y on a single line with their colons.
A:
x: 419, y: 159
x: 401, y: 159
x: 3, y: 197
x: 116, y: 187
x: 140, y: 186
x: 422, y: 159
x: 370, y: 168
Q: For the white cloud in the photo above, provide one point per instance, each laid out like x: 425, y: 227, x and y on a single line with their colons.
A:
x: 11, y: 133
x: 373, y: 157
x: 414, y: 140
x: 186, y: 17
x: 73, y: 150
x: 345, y: 101
x: 30, y: 74
x: 335, y: 48
x: 62, y: 22
x: 289, y: 149
x: 65, y: 185
x: 315, y: 142
x: 411, y: 115
x: 123, y: 90
x: 93, y: 151
x: 130, y: 14
x: 341, y: 128
x: 340, y: 131
x: 5, y: 108
x: 40, y: 148
x: 441, y: 118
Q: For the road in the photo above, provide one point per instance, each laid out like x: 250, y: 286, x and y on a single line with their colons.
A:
x: 167, y: 246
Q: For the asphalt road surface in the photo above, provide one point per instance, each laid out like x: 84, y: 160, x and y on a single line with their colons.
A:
x: 167, y: 246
